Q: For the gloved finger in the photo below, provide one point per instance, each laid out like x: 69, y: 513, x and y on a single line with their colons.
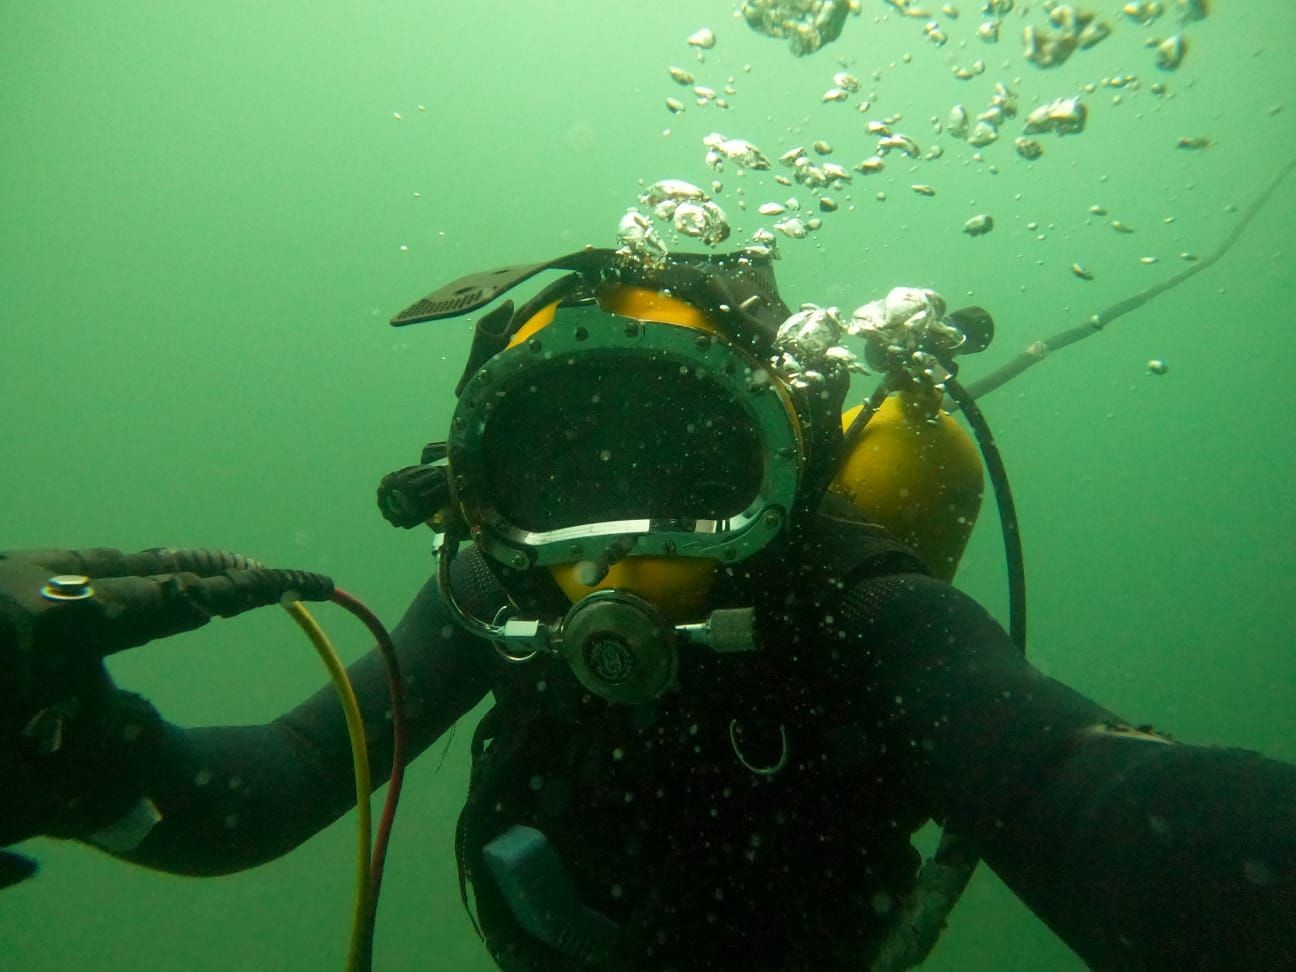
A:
x: 98, y: 562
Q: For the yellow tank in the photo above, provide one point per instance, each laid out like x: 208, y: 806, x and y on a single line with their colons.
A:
x: 915, y: 471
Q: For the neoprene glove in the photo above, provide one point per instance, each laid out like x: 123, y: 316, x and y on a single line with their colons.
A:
x: 72, y: 745
x: 66, y: 733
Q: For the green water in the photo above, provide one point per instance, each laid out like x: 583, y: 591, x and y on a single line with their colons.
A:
x: 207, y: 213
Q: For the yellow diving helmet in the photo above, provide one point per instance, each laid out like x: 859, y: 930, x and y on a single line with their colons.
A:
x: 630, y: 429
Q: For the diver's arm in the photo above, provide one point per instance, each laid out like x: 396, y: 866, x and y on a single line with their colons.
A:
x: 1138, y: 852
x: 236, y: 796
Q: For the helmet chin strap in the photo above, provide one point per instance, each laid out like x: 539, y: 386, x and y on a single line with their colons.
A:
x: 619, y: 645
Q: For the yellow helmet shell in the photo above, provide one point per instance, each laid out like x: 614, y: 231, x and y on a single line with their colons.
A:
x: 915, y: 471
x: 679, y: 587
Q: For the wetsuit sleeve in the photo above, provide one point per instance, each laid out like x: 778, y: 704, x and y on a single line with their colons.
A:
x: 1140, y: 853
x: 232, y: 797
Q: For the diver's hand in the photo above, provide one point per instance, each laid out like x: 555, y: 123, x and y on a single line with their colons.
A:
x: 66, y: 732
x: 55, y: 698
x: 61, y: 611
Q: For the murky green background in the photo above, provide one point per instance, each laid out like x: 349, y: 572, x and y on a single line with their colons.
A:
x: 204, y: 210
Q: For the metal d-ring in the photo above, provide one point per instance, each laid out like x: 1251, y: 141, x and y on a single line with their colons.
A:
x: 514, y: 659
x: 760, y: 770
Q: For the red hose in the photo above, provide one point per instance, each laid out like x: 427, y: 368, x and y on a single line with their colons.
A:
x: 397, y: 692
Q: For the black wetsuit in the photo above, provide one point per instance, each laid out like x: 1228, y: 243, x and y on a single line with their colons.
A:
x: 899, y: 699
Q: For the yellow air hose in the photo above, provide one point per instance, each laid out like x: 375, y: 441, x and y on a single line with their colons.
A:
x: 360, y: 758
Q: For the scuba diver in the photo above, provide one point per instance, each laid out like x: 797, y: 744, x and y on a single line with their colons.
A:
x: 731, y: 677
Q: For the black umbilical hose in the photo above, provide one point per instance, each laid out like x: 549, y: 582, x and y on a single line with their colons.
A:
x: 1007, y: 510
x: 116, y: 601
x: 96, y: 562
x: 1041, y: 349
x: 943, y: 879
